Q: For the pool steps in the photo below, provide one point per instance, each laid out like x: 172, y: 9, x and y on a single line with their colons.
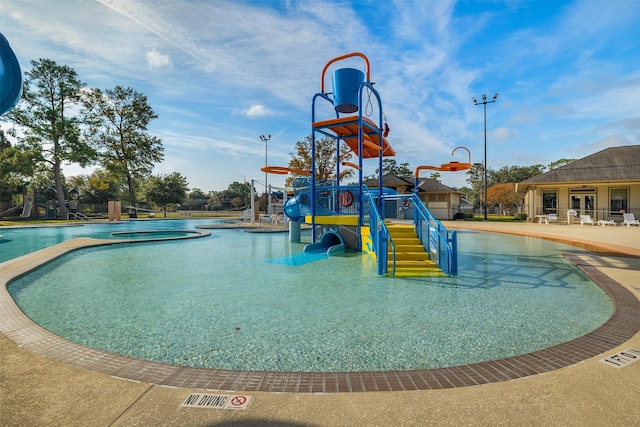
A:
x: 411, y: 257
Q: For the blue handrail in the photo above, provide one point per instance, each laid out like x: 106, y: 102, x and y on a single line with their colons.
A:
x: 380, y: 236
x: 439, y: 242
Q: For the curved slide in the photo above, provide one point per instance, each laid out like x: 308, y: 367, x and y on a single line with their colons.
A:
x: 296, y: 209
x: 10, y: 77
x: 330, y: 243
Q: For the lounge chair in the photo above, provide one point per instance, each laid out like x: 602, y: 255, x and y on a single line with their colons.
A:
x: 586, y: 219
x: 629, y: 220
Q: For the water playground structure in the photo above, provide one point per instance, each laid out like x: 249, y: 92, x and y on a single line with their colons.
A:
x: 354, y: 216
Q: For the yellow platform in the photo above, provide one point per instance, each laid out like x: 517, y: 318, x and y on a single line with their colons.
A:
x: 333, y: 219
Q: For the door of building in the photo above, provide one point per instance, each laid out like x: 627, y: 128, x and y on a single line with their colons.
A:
x: 584, y: 204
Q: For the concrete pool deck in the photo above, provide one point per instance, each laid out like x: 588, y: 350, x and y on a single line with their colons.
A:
x: 35, y: 390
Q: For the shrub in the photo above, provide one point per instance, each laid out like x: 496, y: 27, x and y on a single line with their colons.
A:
x: 521, y: 216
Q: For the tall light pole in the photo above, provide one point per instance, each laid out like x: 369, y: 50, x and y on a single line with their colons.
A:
x: 484, y: 103
x: 266, y: 140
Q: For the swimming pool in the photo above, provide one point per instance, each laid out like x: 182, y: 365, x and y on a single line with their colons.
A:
x: 20, y: 241
x: 238, y: 300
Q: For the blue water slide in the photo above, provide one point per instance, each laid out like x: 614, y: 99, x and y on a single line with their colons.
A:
x: 296, y: 208
x: 10, y: 77
x: 330, y: 243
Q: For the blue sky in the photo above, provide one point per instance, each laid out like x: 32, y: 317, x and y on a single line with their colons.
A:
x: 221, y: 73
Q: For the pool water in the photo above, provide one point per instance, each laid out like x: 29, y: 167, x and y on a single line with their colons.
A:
x: 21, y: 241
x: 231, y: 301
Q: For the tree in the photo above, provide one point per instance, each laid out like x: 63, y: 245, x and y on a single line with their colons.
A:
x: 46, y: 112
x: 118, y: 123
x: 238, y: 190
x: 515, y: 174
x: 97, y: 188
x: 476, y: 180
x: 391, y: 167
x: 560, y: 162
x: 326, y: 160
x: 17, y: 164
x: 166, y: 189
x: 504, y: 194
x: 435, y: 176
x: 196, y: 198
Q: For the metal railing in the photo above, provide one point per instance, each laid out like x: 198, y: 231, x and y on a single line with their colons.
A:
x: 439, y: 242
x: 380, y: 236
x: 595, y: 214
x: 78, y: 215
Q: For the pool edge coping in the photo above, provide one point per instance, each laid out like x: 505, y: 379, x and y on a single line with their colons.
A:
x: 21, y: 330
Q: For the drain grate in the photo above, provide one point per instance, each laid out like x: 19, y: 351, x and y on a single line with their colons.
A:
x: 216, y: 401
x: 622, y: 358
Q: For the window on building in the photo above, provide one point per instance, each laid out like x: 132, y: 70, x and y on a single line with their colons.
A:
x: 549, y: 201
x: 619, y: 200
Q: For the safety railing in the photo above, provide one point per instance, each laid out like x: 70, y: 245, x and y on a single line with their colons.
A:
x: 329, y: 199
x: 380, y: 237
x: 595, y: 214
x: 77, y: 215
x: 440, y: 243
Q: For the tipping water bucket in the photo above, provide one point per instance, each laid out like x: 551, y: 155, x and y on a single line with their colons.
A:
x: 346, y: 82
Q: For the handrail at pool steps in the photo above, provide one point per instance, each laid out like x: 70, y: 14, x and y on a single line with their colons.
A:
x: 435, y: 237
x: 380, y: 236
x: 78, y: 215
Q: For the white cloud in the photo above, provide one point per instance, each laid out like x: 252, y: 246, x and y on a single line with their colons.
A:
x: 257, y: 111
x: 157, y: 60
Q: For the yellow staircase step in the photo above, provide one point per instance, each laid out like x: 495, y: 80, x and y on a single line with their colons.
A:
x: 411, y: 257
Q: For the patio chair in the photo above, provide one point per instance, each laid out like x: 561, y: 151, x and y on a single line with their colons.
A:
x: 586, y: 219
x: 629, y: 220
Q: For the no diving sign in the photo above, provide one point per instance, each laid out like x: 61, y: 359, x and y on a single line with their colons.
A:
x: 217, y: 401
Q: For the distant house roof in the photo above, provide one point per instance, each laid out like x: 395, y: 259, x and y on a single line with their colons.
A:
x: 430, y: 186
x: 611, y: 164
x: 425, y: 185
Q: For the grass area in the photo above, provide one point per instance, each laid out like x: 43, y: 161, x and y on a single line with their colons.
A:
x: 495, y: 218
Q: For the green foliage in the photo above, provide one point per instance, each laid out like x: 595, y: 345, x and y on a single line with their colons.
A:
x: 164, y: 190
x: 391, y: 167
x: 435, y: 176
x: 560, y: 162
x: 326, y: 161
x: 235, y: 196
x: 506, y: 174
x: 46, y: 114
x: 17, y: 165
x: 515, y: 174
x: 97, y: 188
x: 118, y: 121
x: 520, y: 216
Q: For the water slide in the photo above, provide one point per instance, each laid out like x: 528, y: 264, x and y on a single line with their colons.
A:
x: 296, y: 209
x: 13, y: 209
x: 330, y: 243
x: 10, y: 77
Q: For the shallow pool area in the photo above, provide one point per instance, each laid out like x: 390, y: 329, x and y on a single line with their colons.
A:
x: 23, y: 240
x: 230, y: 301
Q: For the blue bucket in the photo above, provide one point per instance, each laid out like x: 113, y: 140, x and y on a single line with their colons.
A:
x: 346, y: 82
